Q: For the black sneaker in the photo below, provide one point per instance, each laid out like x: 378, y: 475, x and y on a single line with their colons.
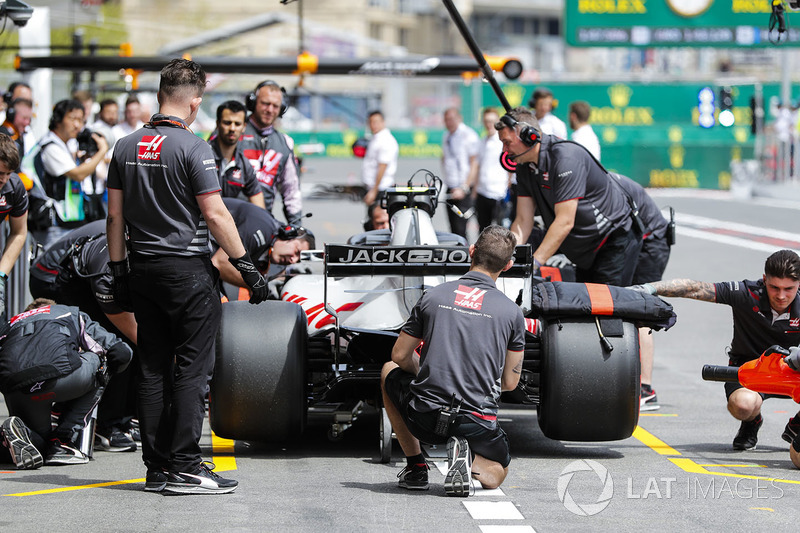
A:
x: 648, y: 401
x: 203, y: 481
x: 791, y: 430
x: 414, y: 477
x: 155, y: 481
x: 116, y: 441
x: 458, y: 480
x: 747, y: 437
x: 60, y: 453
x: 18, y: 441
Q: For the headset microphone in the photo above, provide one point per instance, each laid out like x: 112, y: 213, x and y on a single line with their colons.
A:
x: 514, y: 157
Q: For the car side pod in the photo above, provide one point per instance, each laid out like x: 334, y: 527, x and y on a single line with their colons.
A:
x: 768, y: 374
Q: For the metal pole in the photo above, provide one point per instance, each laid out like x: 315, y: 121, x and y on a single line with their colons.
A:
x: 476, y: 52
x: 786, y: 98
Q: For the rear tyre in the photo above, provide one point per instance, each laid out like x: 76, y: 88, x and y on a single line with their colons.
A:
x: 258, y: 389
x: 587, y: 393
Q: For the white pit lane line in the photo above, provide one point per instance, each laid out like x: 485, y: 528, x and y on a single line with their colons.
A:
x: 493, y: 510
x: 507, y: 529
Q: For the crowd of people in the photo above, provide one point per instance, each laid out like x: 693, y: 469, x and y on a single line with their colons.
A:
x: 139, y: 219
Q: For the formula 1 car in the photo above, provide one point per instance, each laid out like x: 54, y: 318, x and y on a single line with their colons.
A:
x: 318, y: 353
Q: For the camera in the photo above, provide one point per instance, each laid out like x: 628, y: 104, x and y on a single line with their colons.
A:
x: 86, y: 143
x: 19, y: 12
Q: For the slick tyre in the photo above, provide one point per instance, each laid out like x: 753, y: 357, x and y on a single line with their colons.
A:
x: 258, y: 389
x: 588, y: 393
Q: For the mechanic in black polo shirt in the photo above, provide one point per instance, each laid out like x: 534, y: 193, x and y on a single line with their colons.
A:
x: 267, y: 241
x: 75, y: 270
x: 766, y: 312
x: 163, y: 188
x: 14, y: 206
x: 588, y: 216
x: 473, y: 338
x: 236, y: 175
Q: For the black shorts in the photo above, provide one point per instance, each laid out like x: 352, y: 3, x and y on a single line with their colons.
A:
x: 730, y: 387
x: 489, y: 443
x: 652, y: 261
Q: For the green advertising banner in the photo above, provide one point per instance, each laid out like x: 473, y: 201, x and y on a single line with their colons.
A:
x: 650, y: 132
x: 646, y: 23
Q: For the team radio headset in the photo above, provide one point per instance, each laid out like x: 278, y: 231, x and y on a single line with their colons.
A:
x: 286, y: 232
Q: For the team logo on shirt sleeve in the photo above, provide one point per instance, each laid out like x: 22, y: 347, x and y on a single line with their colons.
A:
x: 150, y: 147
x: 469, y: 297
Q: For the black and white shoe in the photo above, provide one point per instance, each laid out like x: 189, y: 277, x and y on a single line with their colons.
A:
x: 791, y: 429
x: 747, y: 436
x: 16, y: 438
x: 414, y: 477
x: 156, y: 481
x: 203, y: 481
x: 458, y: 480
x: 60, y: 453
x: 116, y: 441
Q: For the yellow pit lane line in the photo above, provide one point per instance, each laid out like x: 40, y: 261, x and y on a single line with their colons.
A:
x: 691, y: 467
x: 222, y: 462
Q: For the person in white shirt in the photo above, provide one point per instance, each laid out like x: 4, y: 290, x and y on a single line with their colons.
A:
x: 460, y: 147
x: 542, y: 105
x: 493, y: 180
x: 380, y: 161
x: 133, y: 111
x: 582, y: 132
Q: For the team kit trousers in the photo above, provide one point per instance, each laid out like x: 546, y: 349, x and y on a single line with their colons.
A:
x: 178, y: 309
x: 76, y: 394
x: 458, y: 225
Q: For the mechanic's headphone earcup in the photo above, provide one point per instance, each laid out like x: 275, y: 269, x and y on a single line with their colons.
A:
x: 529, y: 135
x: 10, y: 111
x: 289, y: 232
x: 250, y: 99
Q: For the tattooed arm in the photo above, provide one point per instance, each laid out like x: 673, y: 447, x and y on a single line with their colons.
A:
x: 511, y: 370
x: 686, y: 288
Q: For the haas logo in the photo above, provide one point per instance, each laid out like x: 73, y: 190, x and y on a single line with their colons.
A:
x: 150, y: 147
x: 469, y: 298
x: 794, y: 322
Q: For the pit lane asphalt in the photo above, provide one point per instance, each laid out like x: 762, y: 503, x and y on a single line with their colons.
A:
x: 677, y: 473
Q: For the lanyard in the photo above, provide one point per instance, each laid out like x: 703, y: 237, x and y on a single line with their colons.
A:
x: 168, y: 122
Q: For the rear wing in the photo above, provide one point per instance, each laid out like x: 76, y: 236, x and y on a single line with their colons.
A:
x: 343, y: 260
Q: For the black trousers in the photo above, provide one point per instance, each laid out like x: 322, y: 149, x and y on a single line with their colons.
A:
x: 615, y: 262
x: 488, y: 211
x: 118, y: 405
x: 76, y: 393
x: 177, y: 308
x: 458, y: 225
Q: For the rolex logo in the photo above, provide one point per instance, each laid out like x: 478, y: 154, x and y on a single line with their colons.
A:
x: 620, y: 95
x: 514, y: 94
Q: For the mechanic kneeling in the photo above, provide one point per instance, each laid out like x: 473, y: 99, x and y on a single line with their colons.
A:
x: 54, y: 353
x: 473, y: 338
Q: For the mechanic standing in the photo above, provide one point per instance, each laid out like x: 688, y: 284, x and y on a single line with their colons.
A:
x: 236, y: 175
x: 589, y: 217
x: 14, y: 206
x: 271, y: 152
x: 163, y: 189
x: 460, y: 147
x: 473, y: 340
x: 380, y: 161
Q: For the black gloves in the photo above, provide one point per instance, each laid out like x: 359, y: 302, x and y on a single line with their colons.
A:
x: 259, y: 291
x: 119, y: 356
x: 119, y: 284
